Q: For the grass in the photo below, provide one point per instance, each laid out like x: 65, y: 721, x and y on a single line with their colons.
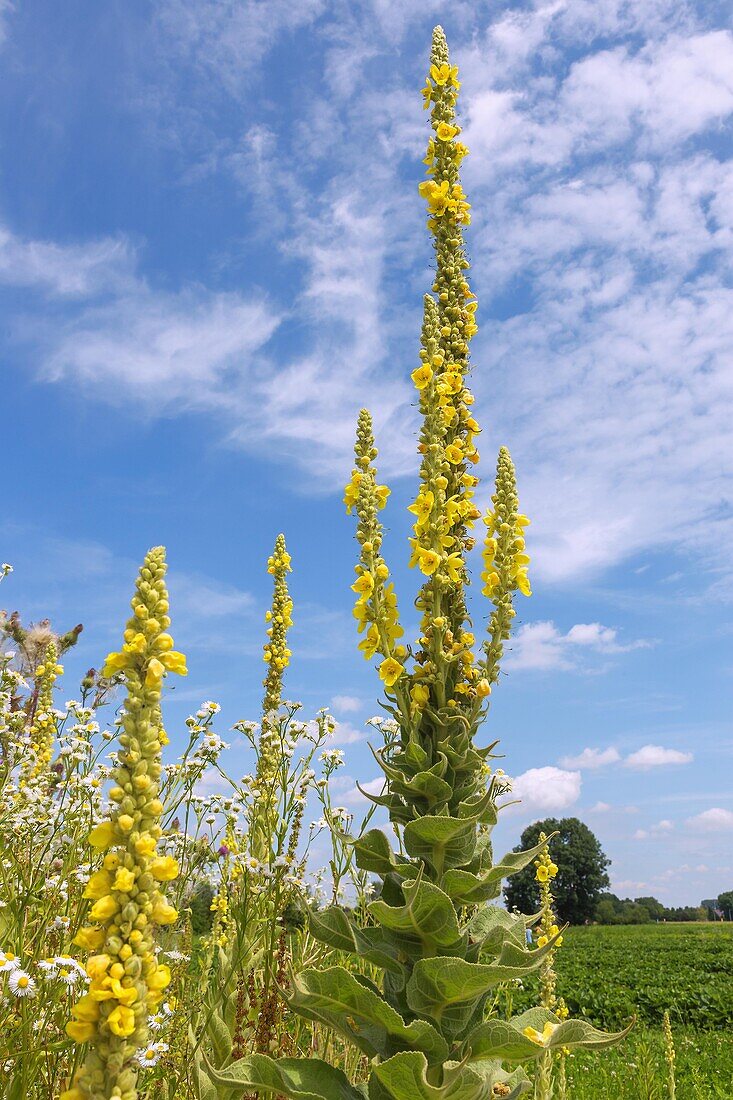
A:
x: 636, y: 1068
x: 609, y: 974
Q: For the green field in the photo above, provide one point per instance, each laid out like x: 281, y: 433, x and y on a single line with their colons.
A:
x: 609, y: 974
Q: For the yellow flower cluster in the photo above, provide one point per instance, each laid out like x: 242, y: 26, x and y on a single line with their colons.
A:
x: 275, y: 652
x: 126, y: 982
x: 505, y: 561
x: 375, y: 610
x: 277, y: 656
x: 42, y: 731
x: 545, y: 872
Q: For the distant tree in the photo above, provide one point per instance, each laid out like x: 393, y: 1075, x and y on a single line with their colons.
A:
x: 653, y: 907
x: 606, y: 912
x: 581, y: 874
x: 725, y: 902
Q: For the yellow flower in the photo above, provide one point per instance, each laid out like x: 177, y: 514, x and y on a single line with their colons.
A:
x: 454, y: 452
x: 163, y: 913
x: 114, y: 663
x: 363, y: 586
x: 390, y: 671
x: 89, y: 939
x: 483, y: 688
x: 102, y: 836
x: 542, y: 874
x: 420, y: 694
x: 81, y: 1032
x: 370, y: 643
x: 103, y: 909
x: 160, y: 978
x: 427, y: 561
x: 445, y: 132
x: 121, y: 1021
x: 381, y: 493
x: 86, y: 1009
x: 164, y: 868
x: 99, y: 886
x: 146, y: 845
x: 422, y: 376
x: 124, y: 880
x: 453, y: 565
x: 542, y: 1038
x: 422, y: 507
x: 445, y: 74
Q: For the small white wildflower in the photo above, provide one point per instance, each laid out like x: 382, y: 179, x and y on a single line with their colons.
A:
x: 21, y: 984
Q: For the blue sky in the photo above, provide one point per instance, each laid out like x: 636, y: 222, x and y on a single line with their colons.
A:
x: 212, y: 253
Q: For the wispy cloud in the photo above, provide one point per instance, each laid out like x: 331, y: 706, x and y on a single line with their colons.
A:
x: 590, y: 759
x: 546, y: 789
x: 544, y: 647
x: 714, y: 820
x: 655, y: 756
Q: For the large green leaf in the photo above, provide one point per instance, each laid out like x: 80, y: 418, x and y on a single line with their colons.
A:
x: 427, y: 915
x: 428, y: 785
x: 491, y: 927
x: 333, y: 927
x: 374, y: 853
x: 569, y: 1033
x: 441, y: 841
x: 447, y: 990
x: 494, y: 1074
x: 335, y: 997
x: 465, y: 888
x: 296, y: 1078
x: 506, y: 1039
x: 403, y: 1077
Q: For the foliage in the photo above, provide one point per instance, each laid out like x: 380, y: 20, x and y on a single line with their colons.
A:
x: 440, y: 953
x: 581, y: 870
x: 609, y: 974
x: 613, y: 910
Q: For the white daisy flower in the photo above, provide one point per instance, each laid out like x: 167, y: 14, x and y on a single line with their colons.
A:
x: 8, y: 962
x: 21, y: 984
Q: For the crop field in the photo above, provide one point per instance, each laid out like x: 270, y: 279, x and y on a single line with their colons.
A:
x: 610, y: 974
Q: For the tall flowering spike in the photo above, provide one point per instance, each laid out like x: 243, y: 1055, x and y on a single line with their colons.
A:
x: 375, y: 610
x: 505, y: 562
x: 277, y: 656
x: 42, y: 731
x: 441, y: 948
x: 275, y: 651
x: 549, y: 934
x: 126, y: 981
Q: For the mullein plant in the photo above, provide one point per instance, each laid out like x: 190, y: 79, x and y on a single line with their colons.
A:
x: 126, y: 982
x: 442, y: 951
x: 277, y: 657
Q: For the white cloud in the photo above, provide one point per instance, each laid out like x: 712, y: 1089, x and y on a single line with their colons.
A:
x: 71, y: 270
x: 715, y: 820
x: 597, y: 191
x: 346, y: 734
x: 190, y: 350
x: 655, y: 756
x: 354, y: 797
x: 347, y: 704
x: 660, y: 829
x: 547, y: 789
x: 541, y: 645
x: 591, y: 759
x: 600, y: 808
x: 201, y: 597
